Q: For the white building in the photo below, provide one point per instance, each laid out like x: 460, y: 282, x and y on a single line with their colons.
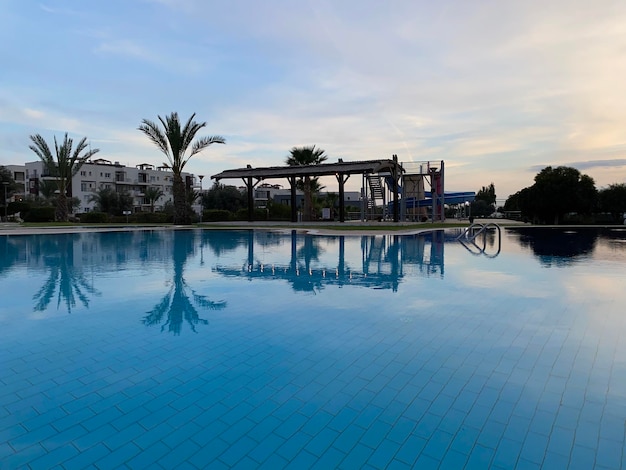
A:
x: 100, y: 174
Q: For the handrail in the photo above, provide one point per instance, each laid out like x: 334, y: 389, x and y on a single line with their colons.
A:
x: 468, y: 238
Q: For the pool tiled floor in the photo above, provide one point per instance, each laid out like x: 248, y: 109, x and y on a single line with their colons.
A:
x: 471, y: 382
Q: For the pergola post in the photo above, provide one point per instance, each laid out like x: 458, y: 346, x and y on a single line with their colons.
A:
x: 341, y: 179
x: 294, y: 209
x: 395, y: 188
x: 250, y: 199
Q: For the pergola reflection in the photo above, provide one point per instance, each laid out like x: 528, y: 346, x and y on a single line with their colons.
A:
x: 384, y: 260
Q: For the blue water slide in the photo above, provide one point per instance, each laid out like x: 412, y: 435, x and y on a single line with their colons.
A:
x: 449, y: 198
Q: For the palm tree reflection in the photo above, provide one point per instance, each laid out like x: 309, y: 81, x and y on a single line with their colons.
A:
x: 179, y: 303
x: 65, y: 280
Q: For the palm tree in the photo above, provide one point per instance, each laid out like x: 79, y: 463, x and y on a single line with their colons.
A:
x: 174, y: 140
x: 152, y: 194
x: 106, y: 200
x: 307, y: 156
x: 64, y: 165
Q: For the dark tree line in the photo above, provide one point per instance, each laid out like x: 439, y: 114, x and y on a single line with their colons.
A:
x: 563, y: 190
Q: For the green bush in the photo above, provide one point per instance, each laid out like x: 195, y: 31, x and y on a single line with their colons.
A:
x: 94, y: 218
x: 39, y: 214
x: 259, y: 214
x: 216, y: 215
x: 151, y: 218
x: 279, y: 212
x: 18, y: 206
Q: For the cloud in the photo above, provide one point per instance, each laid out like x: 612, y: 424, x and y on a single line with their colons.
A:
x: 586, y: 165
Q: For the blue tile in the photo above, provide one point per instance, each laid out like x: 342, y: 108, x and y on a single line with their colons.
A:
x: 57, y: 456
x: 293, y: 445
x: 119, y: 456
x: 376, y: 433
x: 321, y: 442
x: 179, y: 454
x: 609, y: 453
x: 30, y: 438
x: 561, y: 441
x: 208, y: 454
x: 438, y: 444
x: 95, y: 437
x: 427, y: 425
x: 303, y: 460
x: 237, y: 450
x: 357, y: 457
x: 266, y: 448
x: 383, y: 454
x: 553, y: 460
x: 454, y: 459
x: 291, y: 425
x: 86, y: 458
x: 465, y: 439
x: 22, y: 458
x: 411, y: 450
x: 480, y: 457
x: 507, y: 453
x: 534, y: 447
x: 424, y: 462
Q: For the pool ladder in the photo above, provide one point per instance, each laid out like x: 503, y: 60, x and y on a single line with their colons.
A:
x: 469, y: 235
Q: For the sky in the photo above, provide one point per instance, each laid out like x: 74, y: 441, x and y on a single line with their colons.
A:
x: 496, y: 89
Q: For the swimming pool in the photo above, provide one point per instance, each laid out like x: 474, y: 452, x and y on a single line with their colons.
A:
x: 255, y: 349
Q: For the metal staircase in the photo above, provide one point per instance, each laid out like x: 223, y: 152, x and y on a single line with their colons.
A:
x: 376, y: 190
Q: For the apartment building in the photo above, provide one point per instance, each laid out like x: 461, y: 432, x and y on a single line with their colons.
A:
x: 100, y: 174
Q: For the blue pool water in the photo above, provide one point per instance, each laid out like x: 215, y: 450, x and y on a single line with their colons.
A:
x: 242, y: 349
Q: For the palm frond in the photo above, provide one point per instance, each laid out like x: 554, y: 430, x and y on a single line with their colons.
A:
x: 156, y: 135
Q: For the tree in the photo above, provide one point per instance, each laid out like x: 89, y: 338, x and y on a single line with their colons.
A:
x: 48, y: 189
x: 111, y: 202
x: 556, y: 192
x: 222, y: 197
x: 152, y: 194
x: 613, y: 200
x: 300, y: 156
x: 487, y: 194
x: 63, y: 165
x: 174, y: 141
x: 11, y: 186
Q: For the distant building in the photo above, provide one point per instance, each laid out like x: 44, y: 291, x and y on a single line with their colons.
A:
x: 100, y: 174
x: 279, y: 195
x: 18, y: 173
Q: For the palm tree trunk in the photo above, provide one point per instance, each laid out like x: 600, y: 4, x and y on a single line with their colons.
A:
x: 61, y: 209
x: 181, y: 217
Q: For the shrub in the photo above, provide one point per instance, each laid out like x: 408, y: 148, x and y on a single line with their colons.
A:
x: 18, y: 206
x: 151, y: 218
x: 94, y: 218
x: 259, y: 214
x: 39, y: 214
x: 279, y: 212
x: 216, y: 215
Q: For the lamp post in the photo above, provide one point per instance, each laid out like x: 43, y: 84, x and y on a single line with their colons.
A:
x: 201, y: 201
x: 468, y: 206
x: 6, y: 202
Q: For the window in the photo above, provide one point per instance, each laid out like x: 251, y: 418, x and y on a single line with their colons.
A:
x: 83, y: 173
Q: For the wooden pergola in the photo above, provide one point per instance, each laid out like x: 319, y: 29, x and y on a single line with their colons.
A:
x: 342, y: 171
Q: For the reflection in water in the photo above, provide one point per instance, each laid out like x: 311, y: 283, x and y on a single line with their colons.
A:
x: 177, y: 305
x: 311, y: 267
x: 66, y: 280
x: 557, y: 246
